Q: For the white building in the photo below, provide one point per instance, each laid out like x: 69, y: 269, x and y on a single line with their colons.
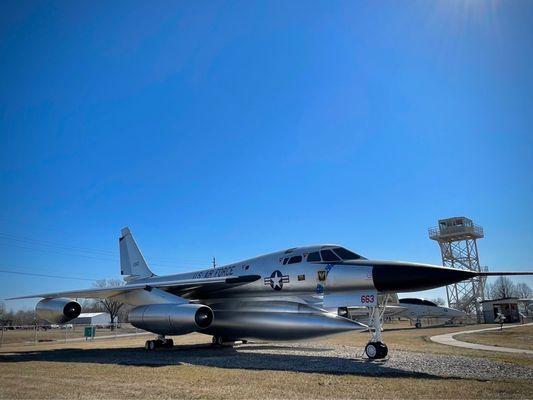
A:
x: 95, y: 318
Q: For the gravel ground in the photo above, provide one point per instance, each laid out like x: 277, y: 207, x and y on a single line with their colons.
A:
x: 297, y: 357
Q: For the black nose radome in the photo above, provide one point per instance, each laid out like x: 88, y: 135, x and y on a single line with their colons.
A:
x: 408, y: 277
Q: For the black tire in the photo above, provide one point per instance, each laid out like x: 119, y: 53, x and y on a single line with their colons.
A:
x: 147, y: 345
x: 152, y: 345
x: 376, y: 350
x: 169, y: 344
x: 383, y: 350
x: 418, y: 325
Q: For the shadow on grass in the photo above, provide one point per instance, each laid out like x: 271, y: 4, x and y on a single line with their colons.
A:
x: 241, y: 357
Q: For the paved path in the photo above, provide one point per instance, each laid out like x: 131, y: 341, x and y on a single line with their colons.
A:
x: 448, y: 339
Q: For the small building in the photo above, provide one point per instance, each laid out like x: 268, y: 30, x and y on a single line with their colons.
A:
x: 95, y: 318
x: 508, y: 307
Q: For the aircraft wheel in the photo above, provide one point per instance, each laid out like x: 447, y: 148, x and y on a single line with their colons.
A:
x: 222, y: 341
x: 376, y: 350
x: 418, y: 325
x: 169, y: 343
x: 371, y: 350
x: 150, y: 345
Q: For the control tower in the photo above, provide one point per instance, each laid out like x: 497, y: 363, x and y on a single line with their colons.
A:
x: 457, y: 239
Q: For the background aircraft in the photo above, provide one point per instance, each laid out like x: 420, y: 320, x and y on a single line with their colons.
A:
x: 412, y: 308
x: 287, y: 295
x: 416, y: 309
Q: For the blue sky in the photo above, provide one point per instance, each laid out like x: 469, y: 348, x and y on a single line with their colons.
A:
x: 232, y: 129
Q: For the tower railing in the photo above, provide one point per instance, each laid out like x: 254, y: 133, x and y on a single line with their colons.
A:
x: 436, y: 232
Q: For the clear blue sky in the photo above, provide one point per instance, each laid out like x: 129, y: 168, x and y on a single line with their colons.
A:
x: 235, y: 129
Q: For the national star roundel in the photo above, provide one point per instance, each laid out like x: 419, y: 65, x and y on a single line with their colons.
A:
x: 276, y: 280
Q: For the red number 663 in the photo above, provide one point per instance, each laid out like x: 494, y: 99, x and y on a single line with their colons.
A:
x: 367, y: 298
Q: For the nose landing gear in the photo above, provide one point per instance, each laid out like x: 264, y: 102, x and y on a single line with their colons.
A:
x: 376, y: 349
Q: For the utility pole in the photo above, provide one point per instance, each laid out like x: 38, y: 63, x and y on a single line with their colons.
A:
x: 214, y: 262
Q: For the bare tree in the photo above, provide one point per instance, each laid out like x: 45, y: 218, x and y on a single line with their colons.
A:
x: 2, y: 314
x: 438, y: 301
x: 109, y: 304
x: 523, y: 290
x: 501, y: 288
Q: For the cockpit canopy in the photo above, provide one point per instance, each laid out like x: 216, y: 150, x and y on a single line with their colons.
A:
x: 333, y: 254
x: 420, y: 302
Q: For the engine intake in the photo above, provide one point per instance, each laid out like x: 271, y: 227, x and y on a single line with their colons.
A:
x: 171, y: 319
x: 58, y: 311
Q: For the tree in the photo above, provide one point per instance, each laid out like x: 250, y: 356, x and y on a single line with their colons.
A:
x: 109, y: 304
x: 523, y: 290
x: 438, y: 301
x: 2, y: 313
x: 502, y: 288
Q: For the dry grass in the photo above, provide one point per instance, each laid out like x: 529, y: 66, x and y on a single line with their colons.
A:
x: 70, y: 380
x: 520, y: 337
x: 64, y: 377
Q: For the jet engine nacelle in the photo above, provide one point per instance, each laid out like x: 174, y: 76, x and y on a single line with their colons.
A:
x: 58, y: 311
x: 171, y: 319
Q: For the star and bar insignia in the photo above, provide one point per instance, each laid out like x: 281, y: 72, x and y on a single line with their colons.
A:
x: 276, y: 280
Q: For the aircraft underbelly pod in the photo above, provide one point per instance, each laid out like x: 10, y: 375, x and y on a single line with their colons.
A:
x: 277, y: 321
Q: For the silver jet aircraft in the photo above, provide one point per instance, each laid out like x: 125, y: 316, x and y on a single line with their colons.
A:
x: 292, y: 294
x: 416, y: 309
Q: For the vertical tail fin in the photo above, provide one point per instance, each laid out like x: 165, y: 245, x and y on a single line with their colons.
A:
x: 132, y: 262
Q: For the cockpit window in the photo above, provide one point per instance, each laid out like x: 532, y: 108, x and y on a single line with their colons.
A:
x: 328, y: 255
x: 295, y: 259
x: 285, y: 260
x: 314, y: 256
x: 420, y: 302
x: 346, y: 254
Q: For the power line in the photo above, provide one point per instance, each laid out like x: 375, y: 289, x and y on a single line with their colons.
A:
x: 53, y: 244
x: 87, y: 252
x: 3, y: 271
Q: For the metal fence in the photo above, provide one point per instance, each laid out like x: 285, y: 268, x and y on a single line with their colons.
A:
x: 33, y: 334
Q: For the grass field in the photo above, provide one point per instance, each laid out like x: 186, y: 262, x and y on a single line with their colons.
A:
x: 520, y: 337
x: 97, y: 370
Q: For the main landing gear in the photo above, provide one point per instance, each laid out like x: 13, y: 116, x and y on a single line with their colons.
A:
x: 224, y: 341
x: 160, y: 342
x: 376, y: 349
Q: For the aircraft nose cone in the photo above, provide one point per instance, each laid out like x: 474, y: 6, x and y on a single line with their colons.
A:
x: 410, y: 277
